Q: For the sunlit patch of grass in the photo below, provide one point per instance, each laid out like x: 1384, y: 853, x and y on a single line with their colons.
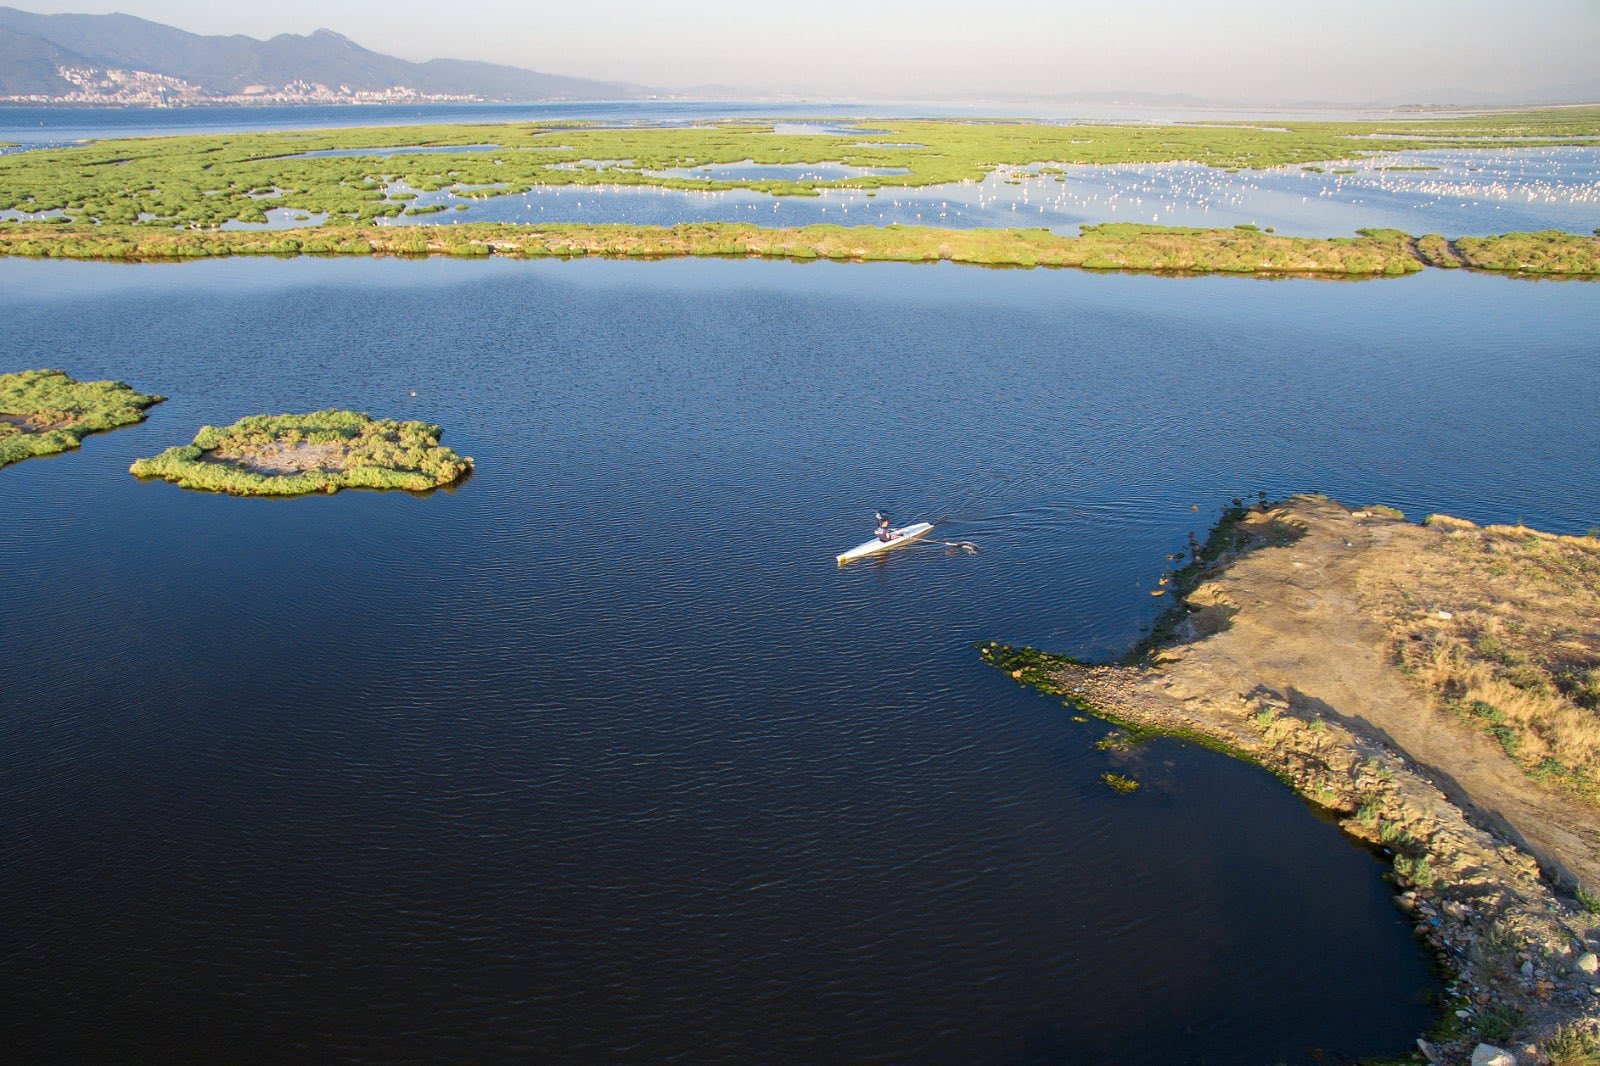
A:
x: 1415, y: 869
x: 1395, y: 835
x: 1502, y: 625
x: 1574, y: 1044
x: 1589, y: 901
x: 1544, y: 252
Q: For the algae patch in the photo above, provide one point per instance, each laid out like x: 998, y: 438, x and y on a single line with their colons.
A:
x: 1119, y: 783
x: 293, y: 455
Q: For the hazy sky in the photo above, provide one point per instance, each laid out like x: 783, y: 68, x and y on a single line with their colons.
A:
x: 1253, y: 50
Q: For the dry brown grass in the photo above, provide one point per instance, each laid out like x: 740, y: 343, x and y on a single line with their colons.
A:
x: 1502, y: 625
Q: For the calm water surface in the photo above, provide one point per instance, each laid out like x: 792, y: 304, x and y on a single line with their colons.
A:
x: 601, y: 754
x: 1458, y: 193
x: 36, y: 126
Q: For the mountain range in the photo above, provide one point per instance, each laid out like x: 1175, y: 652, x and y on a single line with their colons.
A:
x: 123, y: 59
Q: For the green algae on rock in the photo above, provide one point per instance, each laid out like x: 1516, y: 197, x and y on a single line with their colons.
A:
x: 43, y: 412
x: 293, y: 455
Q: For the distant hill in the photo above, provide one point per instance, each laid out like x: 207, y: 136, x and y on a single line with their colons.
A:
x: 123, y: 59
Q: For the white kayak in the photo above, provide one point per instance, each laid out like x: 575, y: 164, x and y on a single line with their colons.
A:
x: 898, y: 538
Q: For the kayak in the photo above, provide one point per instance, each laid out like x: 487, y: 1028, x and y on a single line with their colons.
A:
x: 901, y: 537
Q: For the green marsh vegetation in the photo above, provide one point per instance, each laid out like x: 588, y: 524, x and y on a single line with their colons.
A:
x: 1436, y: 251
x: 166, y: 197
x: 1544, y: 252
x: 292, y: 455
x: 205, y: 181
x: 1113, y: 246
x: 43, y: 412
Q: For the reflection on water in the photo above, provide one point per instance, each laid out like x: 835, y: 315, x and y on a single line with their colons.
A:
x: 603, y: 756
x: 280, y: 218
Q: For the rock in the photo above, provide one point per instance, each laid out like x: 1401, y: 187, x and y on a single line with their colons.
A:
x: 1429, y: 1052
x: 1527, y: 969
x: 1587, y: 962
x: 1489, y: 1055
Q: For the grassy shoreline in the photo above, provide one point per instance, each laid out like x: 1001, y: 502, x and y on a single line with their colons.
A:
x: 1112, y: 246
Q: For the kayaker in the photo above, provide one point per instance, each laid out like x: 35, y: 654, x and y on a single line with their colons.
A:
x: 884, y: 533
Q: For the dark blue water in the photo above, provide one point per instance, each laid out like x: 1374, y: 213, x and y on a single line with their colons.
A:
x: 600, y: 754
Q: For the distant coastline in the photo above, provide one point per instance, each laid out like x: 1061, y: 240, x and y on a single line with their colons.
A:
x: 318, y: 96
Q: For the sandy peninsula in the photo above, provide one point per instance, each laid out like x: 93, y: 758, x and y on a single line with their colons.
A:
x: 1431, y: 686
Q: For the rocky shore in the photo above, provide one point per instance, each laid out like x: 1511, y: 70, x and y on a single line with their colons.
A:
x: 1273, y: 653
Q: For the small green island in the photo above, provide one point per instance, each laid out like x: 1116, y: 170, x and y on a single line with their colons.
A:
x: 294, y: 455
x: 43, y: 412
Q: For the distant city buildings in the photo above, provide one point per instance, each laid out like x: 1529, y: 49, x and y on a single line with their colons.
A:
x: 139, y: 88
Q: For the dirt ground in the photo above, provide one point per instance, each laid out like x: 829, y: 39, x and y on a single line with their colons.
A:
x: 281, y: 458
x: 1285, y: 656
x: 39, y: 423
x: 1300, y: 625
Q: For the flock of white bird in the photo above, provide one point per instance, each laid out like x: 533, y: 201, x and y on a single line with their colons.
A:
x: 1464, y: 191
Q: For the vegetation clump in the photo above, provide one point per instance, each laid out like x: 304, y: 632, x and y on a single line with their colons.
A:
x: 292, y: 455
x: 43, y: 412
x: 1576, y: 1044
x: 1544, y: 252
x: 1118, y: 783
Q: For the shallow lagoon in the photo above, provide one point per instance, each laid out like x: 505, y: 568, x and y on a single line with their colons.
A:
x: 600, y: 753
x: 1458, y: 193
